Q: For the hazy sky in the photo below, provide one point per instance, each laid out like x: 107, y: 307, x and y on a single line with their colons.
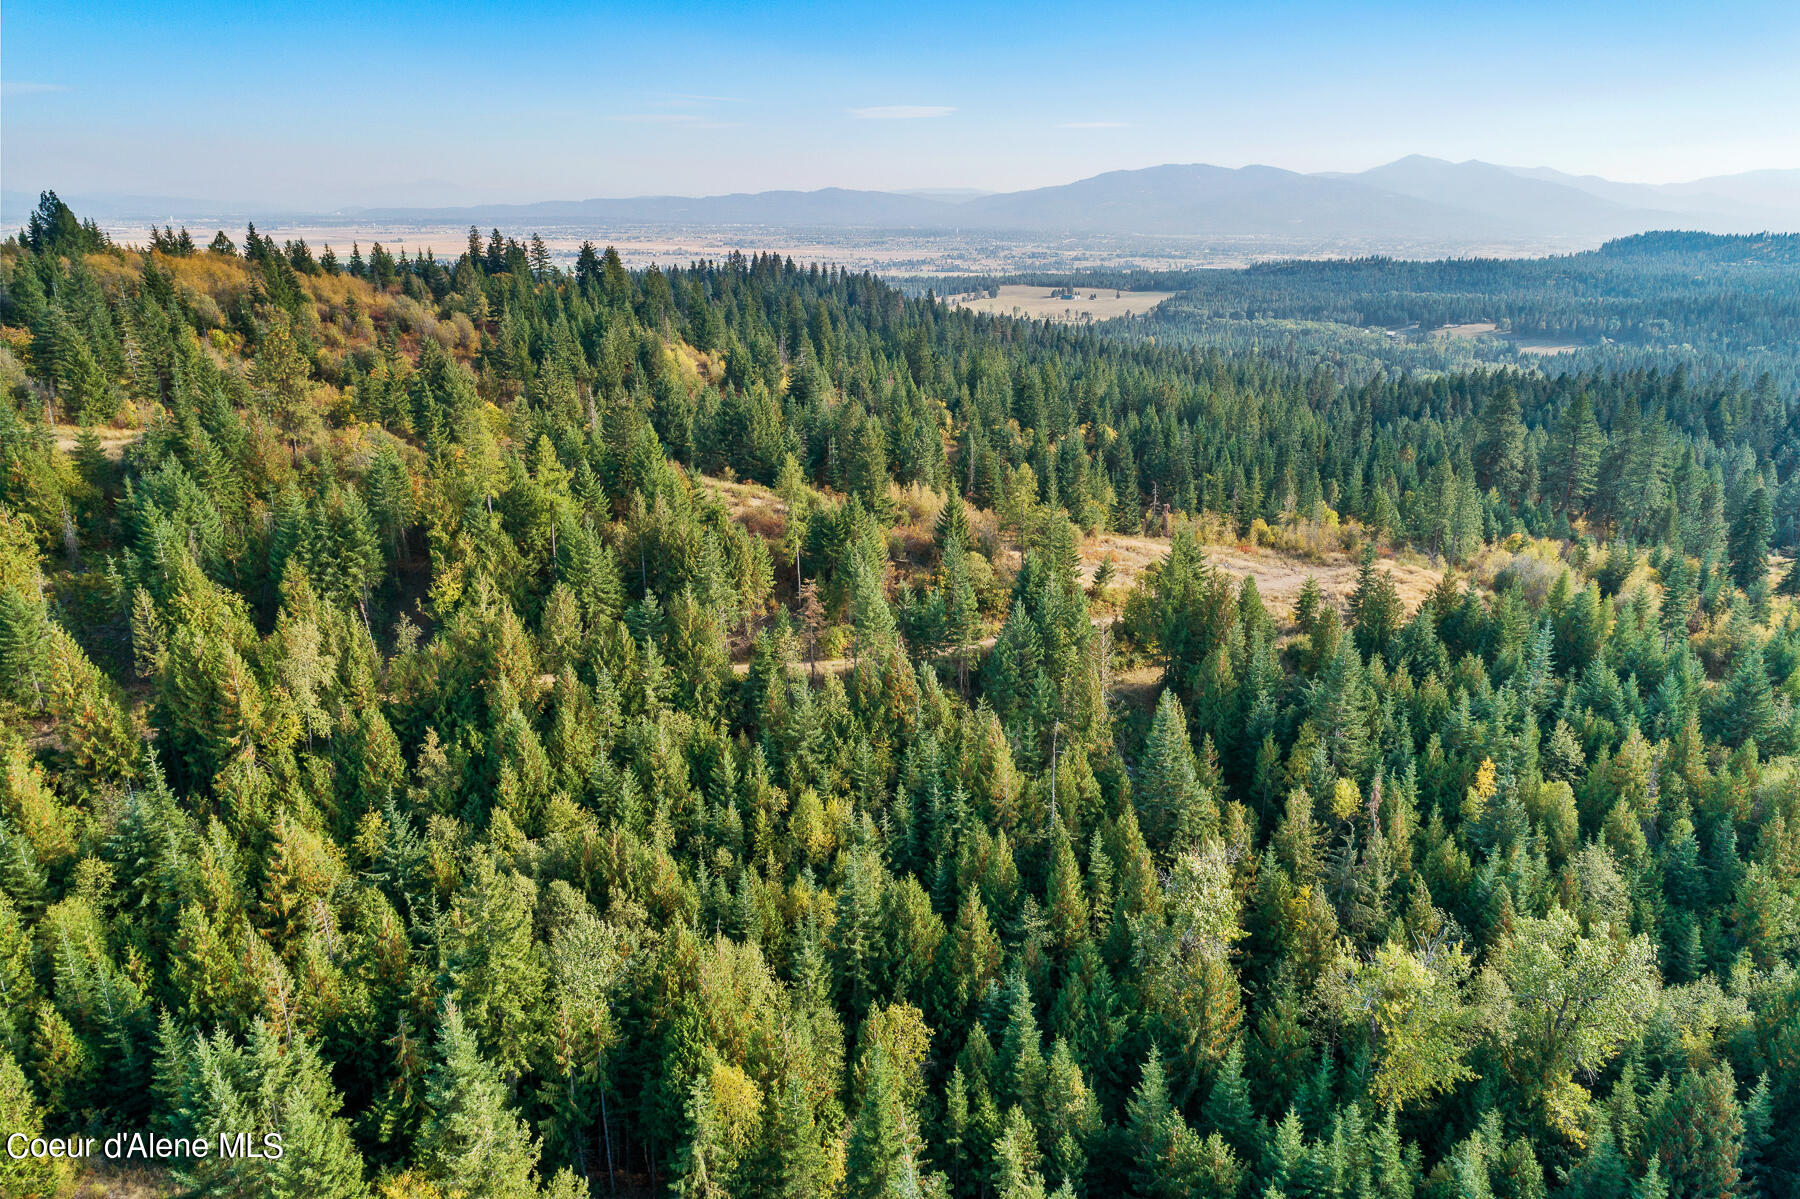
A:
x: 325, y: 104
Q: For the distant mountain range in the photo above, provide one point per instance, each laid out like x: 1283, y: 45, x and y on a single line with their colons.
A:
x: 1411, y: 201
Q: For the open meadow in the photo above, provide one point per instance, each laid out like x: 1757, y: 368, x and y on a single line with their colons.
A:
x: 1065, y: 305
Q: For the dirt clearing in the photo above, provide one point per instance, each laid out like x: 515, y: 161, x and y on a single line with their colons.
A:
x: 113, y: 442
x: 1524, y: 345
x: 1279, y: 577
x: 1542, y: 345
x: 1061, y: 305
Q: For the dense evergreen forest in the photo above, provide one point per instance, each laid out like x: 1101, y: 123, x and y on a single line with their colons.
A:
x: 408, y: 748
x: 1715, y: 306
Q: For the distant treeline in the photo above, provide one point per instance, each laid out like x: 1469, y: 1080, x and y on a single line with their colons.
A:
x: 1716, y: 304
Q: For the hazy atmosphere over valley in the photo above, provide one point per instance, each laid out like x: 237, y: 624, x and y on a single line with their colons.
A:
x: 933, y: 601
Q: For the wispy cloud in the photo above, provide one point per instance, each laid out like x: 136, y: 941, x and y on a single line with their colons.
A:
x: 1094, y: 125
x: 900, y: 112
x: 18, y: 87
x: 681, y: 109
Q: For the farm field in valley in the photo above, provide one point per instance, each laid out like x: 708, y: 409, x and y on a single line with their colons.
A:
x: 1059, y: 304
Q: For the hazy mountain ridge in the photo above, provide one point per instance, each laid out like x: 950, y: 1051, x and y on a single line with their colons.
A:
x: 1548, y: 201
x: 1510, y: 200
x: 1201, y: 200
x: 1415, y: 198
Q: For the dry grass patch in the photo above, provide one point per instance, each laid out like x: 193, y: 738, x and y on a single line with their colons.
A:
x: 1048, y: 303
x: 750, y: 504
x: 1279, y: 577
x: 105, y: 1180
x: 113, y: 442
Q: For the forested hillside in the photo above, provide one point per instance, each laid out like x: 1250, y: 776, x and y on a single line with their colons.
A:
x: 374, y: 769
x: 1725, y: 310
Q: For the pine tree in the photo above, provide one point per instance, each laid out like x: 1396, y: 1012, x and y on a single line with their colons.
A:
x: 1016, y: 1159
x: 472, y: 1144
x: 878, y: 1160
x: 952, y: 525
x: 496, y: 972
x: 1751, y: 529
x: 1064, y: 897
x: 1698, y: 1134
x: 1375, y: 609
x: 968, y: 960
x: 1790, y: 582
x: 700, y: 1170
x: 1166, y: 1155
x: 1743, y: 710
x: 1071, y: 1117
x: 1390, y: 1171
x: 1500, y: 454
x: 1341, y: 702
x: 800, y: 1160
x: 318, y: 1159
x: 1575, y: 455
x: 1652, y: 1185
x: 877, y: 633
x: 1228, y: 1106
x: 21, y: 1174
x: 390, y: 499
x: 1021, y: 1076
x: 962, y: 616
x: 271, y: 1084
x: 1170, y: 804
x: 23, y: 648
x: 1754, y: 1162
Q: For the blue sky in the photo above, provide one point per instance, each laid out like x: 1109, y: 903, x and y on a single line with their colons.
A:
x: 328, y: 104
